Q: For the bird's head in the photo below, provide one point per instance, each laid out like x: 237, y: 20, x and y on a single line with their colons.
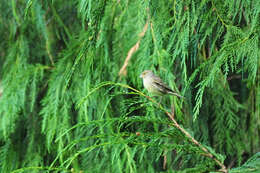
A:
x: 146, y: 73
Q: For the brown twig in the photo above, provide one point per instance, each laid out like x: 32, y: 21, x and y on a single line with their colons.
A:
x: 49, y: 53
x: 194, y: 141
x: 232, y: 163
x: 1, y: 90
x: 172, y: 109
x: 47, y: 42
x: 234, y: 77
x: 175, y: 124
x: 164, y: 162
x: 123, y: 71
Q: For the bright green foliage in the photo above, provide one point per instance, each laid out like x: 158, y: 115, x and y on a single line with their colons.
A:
x: 65, y: 108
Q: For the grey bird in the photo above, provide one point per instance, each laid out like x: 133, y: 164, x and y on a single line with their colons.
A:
x: 155, y: 85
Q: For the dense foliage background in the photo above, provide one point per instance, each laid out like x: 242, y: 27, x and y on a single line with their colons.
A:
x: 66, y: 106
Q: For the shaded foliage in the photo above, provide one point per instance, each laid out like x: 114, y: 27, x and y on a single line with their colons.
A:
x: 59, y: 112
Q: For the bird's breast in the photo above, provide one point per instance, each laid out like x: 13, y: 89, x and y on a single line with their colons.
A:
x: 150, y: 86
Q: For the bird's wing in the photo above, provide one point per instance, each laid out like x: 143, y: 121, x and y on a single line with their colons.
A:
x: 161, y: 85
x: 164, y: 88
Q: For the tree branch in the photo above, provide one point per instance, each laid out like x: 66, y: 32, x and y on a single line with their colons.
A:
x: 194, y: 141
x: 132, y: 51
x: 175, y: 124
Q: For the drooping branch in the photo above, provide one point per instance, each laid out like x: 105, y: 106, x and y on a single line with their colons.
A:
x: 175, y: 124
x: 171, y: 116
x: 1, y: 90
x: 194, y: 141
x: 123, y: 71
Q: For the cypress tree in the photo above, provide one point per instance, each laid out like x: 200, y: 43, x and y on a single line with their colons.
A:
x: 71, y: 99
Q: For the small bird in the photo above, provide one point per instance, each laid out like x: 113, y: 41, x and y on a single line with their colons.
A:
x: 155, y: 85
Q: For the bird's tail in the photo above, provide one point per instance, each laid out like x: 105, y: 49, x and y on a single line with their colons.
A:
x: 173, y: 93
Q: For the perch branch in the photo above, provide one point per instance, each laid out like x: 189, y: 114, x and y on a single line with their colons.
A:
x: 194, y: 141
x: 174, y: 123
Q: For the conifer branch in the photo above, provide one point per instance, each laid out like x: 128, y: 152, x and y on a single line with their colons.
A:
x: 49, y: 52
x: 218, y: 16
x: 123, y: 71
x: 59, y: 20
x: 175, y: 124
x: 1, y: 90
x: 194, y: 141
x: 50, y: 61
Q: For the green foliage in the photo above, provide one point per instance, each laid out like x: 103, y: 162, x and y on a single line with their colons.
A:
x: 251, y: 165
x: 65, y: 108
